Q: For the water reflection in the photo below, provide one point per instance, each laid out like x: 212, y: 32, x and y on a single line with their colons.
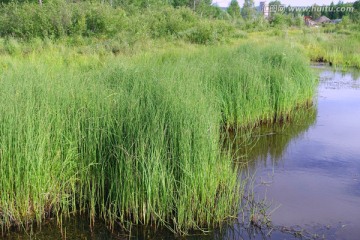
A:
x: 69, y: 228
x: 317, y: 182
x: 269, y: 142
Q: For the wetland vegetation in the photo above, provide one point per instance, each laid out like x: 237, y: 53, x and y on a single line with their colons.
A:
x: 118, y: 112
x: 137, y: 139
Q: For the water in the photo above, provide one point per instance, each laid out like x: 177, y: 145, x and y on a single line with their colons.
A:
x: 307, y: 170
x: 315, y: 177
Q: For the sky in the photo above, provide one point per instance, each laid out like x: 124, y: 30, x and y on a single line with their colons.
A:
x: 225, y: 3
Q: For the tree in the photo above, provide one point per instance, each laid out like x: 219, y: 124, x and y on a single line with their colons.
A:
x: 275, y: 7
x: 296, y: 13
x: 355, y: 15
x: 131, y: 4
x: 180, y: 3
x: 248, y: 10
x: 234, y: 9
x: 315, y: 11
x: 356, y: 5
x: 331, y: 13
x: 194, y: 4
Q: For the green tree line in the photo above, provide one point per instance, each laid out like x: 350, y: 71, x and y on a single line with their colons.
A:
x: 58, y: 19
x: 195, y: 21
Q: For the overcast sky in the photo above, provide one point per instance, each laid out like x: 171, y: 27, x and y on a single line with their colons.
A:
x: 225, y: 3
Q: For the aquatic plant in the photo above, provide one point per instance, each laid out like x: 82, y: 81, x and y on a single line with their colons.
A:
x: 136, y: 140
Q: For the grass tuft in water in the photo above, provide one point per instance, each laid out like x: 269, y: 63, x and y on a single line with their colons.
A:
x: 137, y: 139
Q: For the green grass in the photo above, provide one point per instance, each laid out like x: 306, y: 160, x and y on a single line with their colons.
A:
x: 136, y: 139
x: 335, y: 44
x: 341, y: 48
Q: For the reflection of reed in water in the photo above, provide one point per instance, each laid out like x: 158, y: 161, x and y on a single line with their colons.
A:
x: 252, y: 146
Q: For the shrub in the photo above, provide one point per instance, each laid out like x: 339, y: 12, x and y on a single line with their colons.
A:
x: 58, y: 19
x: 12, y: 46
x: 168, y: 21
x: 207, y: 32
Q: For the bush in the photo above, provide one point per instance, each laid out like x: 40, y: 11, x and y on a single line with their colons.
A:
x: 168, y: 21
x: 206, y: 32
x: 59, y: 19
x: 12, y: 46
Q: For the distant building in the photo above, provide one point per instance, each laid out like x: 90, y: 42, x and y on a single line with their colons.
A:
x: 321, y: 20
x: 336, y: 21
x: 264, y: 8
x: 308, y: 21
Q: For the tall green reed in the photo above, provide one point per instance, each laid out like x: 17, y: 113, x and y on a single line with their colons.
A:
x: 136, y: 139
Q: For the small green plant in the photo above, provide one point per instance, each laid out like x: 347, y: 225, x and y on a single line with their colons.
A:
x: 12, y: 46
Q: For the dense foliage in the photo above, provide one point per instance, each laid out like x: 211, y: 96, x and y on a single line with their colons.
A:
x: 136, y: 140
x: 60, y: 19
x: 195, y: 21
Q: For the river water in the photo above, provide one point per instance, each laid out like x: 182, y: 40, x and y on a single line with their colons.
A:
x: 307, y: 172
x: 310, y: 170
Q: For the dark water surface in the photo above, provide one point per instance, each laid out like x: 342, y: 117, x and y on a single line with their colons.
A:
x: 316, y: 179
x: 308, y: 170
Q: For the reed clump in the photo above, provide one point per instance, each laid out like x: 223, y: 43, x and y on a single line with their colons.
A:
x: 338, y: 49
x: 136, y: 139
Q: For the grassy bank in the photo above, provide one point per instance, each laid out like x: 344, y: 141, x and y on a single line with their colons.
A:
x: 136, y: 139
x: 337, y: 45
x: 125, y: 27
x: 339, y: 48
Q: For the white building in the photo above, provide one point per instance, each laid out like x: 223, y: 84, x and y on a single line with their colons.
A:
x: 264, y: 8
